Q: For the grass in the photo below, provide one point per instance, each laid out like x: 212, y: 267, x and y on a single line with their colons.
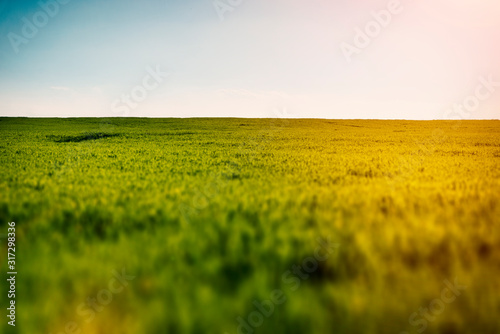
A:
x: 212, y: 215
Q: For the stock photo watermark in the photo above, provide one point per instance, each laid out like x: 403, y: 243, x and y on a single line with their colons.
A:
x: 424, y: 315
x: 226, y: 6
x: 96, y: 304
x: 31, y: 26
x: 459, y: 111
x: 12, y: 272
x: 292, y: 278
x: 483, y: 91
x: 487, y: 86
x: 202, y: 198
x: 150, y: 82
x: 372, y: 29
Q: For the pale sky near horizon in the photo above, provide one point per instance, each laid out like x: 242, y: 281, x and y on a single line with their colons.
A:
x: 274, y: 58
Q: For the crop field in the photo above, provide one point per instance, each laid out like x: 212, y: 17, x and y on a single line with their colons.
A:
x: 131, y: 225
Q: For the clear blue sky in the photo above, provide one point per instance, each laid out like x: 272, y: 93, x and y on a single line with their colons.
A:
x: 264, y: 59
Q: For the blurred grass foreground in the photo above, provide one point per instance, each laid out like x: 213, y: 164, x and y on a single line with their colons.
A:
x: 252, y: 225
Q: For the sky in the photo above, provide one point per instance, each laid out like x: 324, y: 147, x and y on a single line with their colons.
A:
x: 342, y: 59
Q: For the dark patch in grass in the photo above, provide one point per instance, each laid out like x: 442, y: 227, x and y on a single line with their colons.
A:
x: 484, y: 250
x: 81, y: 137
x: 450, y: 328
x: 411, y: 260
x: 455, y: 153
x: 175, y: 133
x: 487, y: 144
x: 233, y: 274
x: 352, y: 126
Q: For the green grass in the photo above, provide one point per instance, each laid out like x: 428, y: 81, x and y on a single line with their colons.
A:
x: 209, y: 215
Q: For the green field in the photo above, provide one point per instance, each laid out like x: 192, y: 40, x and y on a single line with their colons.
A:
x: 217, y: 219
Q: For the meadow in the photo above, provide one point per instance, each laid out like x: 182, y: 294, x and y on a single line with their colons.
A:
x: 252, y: 225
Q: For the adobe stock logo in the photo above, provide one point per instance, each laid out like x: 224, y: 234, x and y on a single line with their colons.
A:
x: 96, y: 304
x: 372, y: 29
x: 293, y: 278
x: 437, y: 306
x: 221, y: 7
x: 30, y: 28
x: 483, y: 91
x: 151, y: 81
